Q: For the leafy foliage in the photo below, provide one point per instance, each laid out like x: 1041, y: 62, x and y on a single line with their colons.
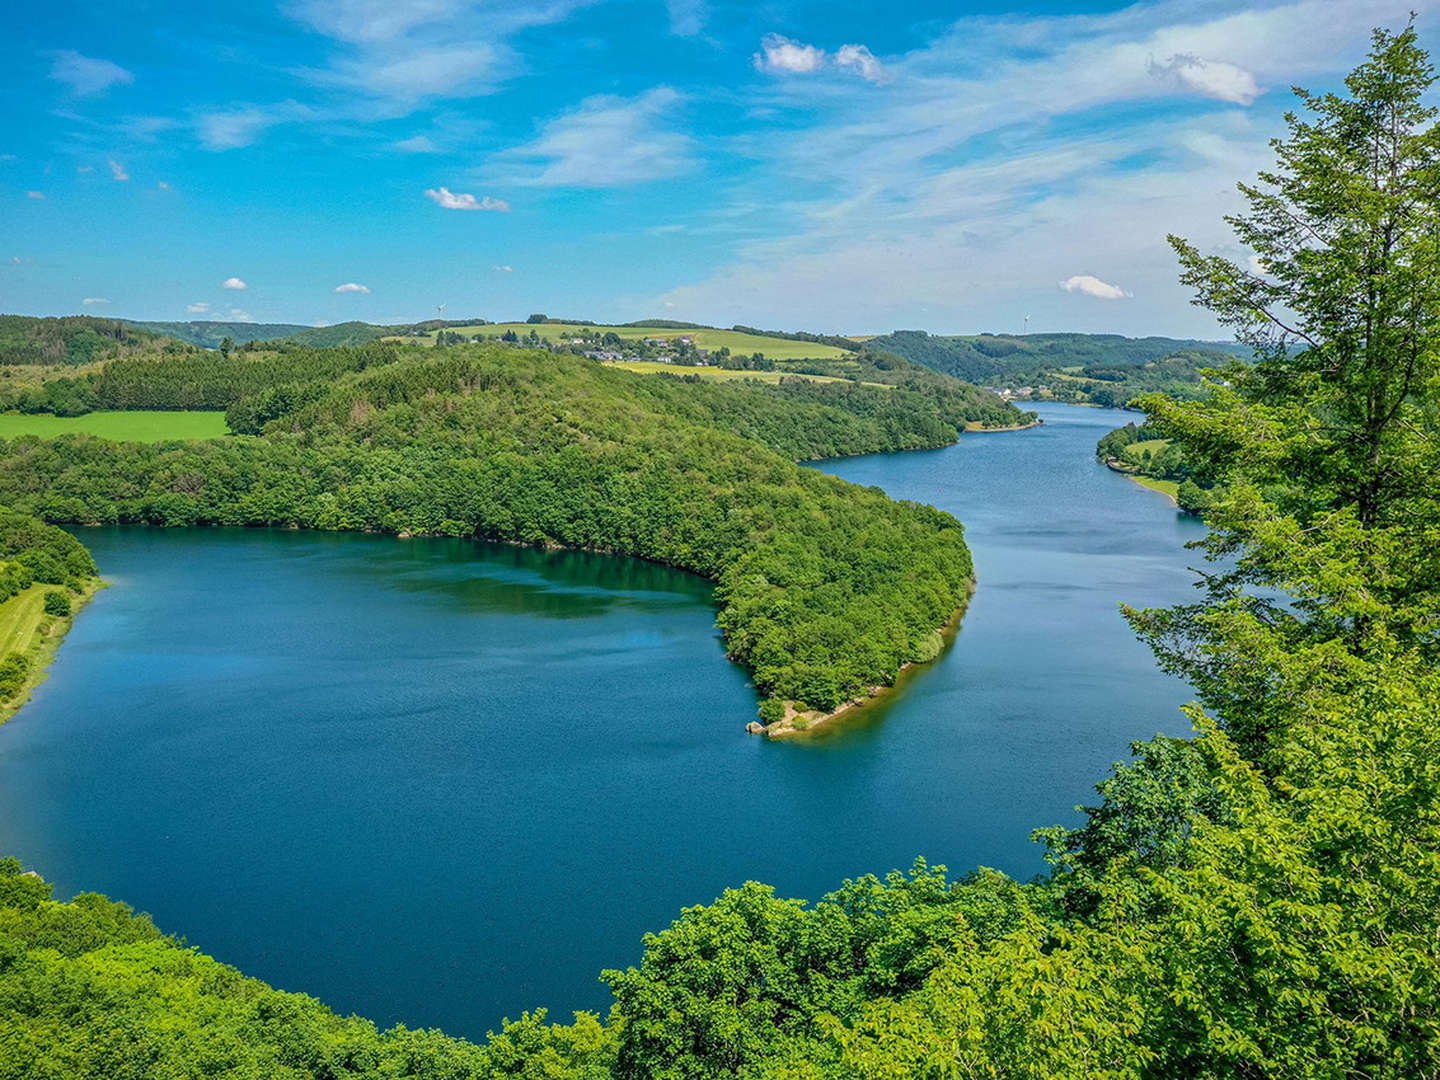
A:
x: 70, y: 339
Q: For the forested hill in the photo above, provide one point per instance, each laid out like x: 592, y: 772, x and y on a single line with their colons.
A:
x: 824, y: 589
x: 983, y: 357
x: 69, y: 340
x: 211, y: 334
x: 1102, y: 369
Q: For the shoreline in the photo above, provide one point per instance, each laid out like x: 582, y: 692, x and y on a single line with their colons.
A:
x: 45, y: 642
x: 812, y: 721
x: 1139, y: 480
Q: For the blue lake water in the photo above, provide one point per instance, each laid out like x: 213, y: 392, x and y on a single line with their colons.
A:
x: 438, y: 782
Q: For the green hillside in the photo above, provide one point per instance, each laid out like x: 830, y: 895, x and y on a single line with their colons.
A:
x: 68, y: 340
x: 775, y: 348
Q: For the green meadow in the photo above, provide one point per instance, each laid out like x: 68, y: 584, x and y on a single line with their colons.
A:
x: 131, y: 426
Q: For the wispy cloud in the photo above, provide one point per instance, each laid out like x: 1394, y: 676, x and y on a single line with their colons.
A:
x: 1093, y: 286
x: 200, y: 307
x: 117, y: 170
x: 239, y: 315
x: 86, y: 75
x: 90, y: 300
x: 35, y: 195
x: 352, y: 286
x: 416, y: 144
x: 233, y: 283
x: 607, y: 141
x: 405, y: 51
x: 231, y: 128
x: 506, y: 269
x: 861, y: 61
x: 453, y: 200
x: 687, y: 17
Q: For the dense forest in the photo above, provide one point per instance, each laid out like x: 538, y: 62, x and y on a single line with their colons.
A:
x: 824, y: 589
x: 1262, y: 900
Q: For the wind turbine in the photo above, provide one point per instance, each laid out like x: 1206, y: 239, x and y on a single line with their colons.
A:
x: 1027, y: 325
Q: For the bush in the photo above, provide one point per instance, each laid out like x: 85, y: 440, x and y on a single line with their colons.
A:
x: 57, y: 603
x: 13, y: 670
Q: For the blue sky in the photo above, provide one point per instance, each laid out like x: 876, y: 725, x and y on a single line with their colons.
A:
x: 850, y: 167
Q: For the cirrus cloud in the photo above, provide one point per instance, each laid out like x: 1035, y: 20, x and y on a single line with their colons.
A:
x: 86, y: 75
x: 1093, y: 286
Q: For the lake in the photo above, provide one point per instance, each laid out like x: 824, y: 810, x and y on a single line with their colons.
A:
x: 440, y: 782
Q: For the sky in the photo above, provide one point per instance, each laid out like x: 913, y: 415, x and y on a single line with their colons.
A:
x: 847, y: 168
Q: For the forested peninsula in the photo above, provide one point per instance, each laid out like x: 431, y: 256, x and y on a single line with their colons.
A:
x: 824, y: 590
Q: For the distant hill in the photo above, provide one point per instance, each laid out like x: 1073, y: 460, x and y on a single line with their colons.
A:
x: 1100, y: 369
x: 984, y: 357
x: 69, y: 339
x: 346, y: 333
x: 211, y: 334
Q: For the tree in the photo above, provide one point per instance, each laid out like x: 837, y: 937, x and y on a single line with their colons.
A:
x: 227, y: 346
x: 1329, y: 444
x: 537, y: 318
x: 57, y: 603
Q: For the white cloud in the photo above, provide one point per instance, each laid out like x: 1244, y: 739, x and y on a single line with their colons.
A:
x: 198, y: 308
x: 162, y: 186
x: 506, y: 269
x: 416, y: 144
x: 862, y: 62
x: 117, y: 170
x: 236, y: 315
x: 778, y: 54
x: 35, y: 195
x: 233, y: 283
x: 687, y: 17
x: 607, y: 141
x: 1217, y: 79
x: 94, y: 300
x: 1093, y: 286
x: 352, y: 286
x: 87, y: 75
x: 457, y: 200
x: 84, y: 170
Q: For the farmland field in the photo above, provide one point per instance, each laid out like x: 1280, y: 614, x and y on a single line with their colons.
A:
x: 734, y: 340
x: 128, y: 426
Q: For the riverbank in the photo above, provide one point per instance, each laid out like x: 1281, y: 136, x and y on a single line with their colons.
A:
x: 798, y: 722
x: 27, y: 630
x: 1169, y: 488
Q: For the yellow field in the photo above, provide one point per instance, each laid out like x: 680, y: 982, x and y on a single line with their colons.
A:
x: 736, y: 342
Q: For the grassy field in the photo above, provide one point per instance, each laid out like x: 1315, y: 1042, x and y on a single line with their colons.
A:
x: 130, y: 426
x: 736, y: 342
x: 26, y: 629
x: 1165, y: 487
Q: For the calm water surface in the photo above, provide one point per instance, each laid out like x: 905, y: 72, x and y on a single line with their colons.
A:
x: 439, y: 782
